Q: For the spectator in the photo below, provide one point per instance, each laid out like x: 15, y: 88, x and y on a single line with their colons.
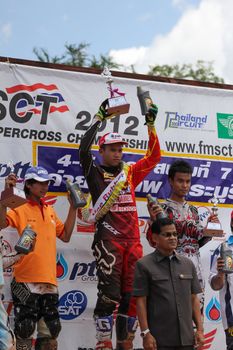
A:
x: 34, y: 287
x: 166, y: 288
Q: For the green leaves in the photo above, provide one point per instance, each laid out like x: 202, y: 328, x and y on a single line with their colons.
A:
x: 77, y: 55
x: 201, y: 71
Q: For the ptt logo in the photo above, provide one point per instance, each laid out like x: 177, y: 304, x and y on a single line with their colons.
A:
x: 72, y: 304
x: 62, y: 267
x: 20, y: 168
x: 143, y: 224
x: 176, y: 120
x: 84, y: 271
x: 24, y: 101
x: 213, y: 310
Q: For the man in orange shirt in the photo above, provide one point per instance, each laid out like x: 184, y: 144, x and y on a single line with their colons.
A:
x: 34, y: 287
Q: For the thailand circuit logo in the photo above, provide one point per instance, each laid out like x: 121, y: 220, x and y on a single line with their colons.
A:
x: 62, y: 267
x: 72, y: 304
x: 189, y: 121
x: 213, y: 310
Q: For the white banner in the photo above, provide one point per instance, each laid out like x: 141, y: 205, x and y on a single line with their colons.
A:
x: 43, y: 115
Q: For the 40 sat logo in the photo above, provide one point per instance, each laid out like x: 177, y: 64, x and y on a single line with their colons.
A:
x: 72, y: 304
x: 80, y: 270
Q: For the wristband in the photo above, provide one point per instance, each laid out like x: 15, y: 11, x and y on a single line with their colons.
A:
x: 144, y: 333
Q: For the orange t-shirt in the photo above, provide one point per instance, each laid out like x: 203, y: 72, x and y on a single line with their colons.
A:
x: 38, y: 266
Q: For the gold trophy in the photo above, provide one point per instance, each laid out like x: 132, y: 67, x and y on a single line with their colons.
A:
x: 12, y: 196
x: 117, y: 103
x: 214, y: 229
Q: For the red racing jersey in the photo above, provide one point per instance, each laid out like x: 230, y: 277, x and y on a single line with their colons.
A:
x: 121, y: 221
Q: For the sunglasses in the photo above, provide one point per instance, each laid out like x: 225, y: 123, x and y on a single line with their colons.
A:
x: 169, y: 234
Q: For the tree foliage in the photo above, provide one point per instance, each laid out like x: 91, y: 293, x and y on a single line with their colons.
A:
x: 77, y: 55
x: 201, y: 71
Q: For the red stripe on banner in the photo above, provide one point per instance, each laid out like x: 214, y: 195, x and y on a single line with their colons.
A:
x: 205, y: 347
x: 210, y: 334
x: 33, y: 110
x: 52, y: 109
x: 33, y: 87
x: 209, y: 340
x: 50, y: 200
x: 9, y: 308
x: 61, y: 109
x: 209, y: 337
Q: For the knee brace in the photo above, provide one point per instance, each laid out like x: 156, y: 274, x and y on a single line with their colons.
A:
x: 24, y: 329
x: 105, y: 306
x: 103, y: 327
x: 23, y: 344
x: 46, y: 344
x: 125, y: 327
x: 51, y: 315
x: 54, y: 326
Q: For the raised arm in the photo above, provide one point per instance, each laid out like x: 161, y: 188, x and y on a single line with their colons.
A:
x: 10, y: 259
x: 69, y: 225
x: 152, y: 157
x: 10, y: 181
x: 85, y: 155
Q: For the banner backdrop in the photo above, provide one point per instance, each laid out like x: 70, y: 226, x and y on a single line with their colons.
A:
x: 43, y: 115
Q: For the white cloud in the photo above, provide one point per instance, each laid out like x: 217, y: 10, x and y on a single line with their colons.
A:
x: 181, y: 4
x: 202, y: 33
x: 131, y: 56
x: 6, y: 31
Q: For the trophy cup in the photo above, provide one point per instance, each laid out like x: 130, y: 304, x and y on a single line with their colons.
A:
x: 214, y: 229
x: 117, y: 103
x: 12, y: 196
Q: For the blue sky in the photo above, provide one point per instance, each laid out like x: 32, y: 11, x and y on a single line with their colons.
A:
x: 134, y: 32
x: 104, y: 24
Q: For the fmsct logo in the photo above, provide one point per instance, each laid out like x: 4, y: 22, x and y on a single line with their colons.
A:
x: 24, y: 101
x: 72, y: 304
x: 189, y: 121
x: 225, y: 126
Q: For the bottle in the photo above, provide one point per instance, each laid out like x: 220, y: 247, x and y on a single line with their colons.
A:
x: 144, y: 100
x: 154, y: 200
x: 76, y: 194
x: 26, y: 241
x: 226, y: 255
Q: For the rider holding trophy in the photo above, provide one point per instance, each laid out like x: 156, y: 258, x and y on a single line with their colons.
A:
x: 116, y: 244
